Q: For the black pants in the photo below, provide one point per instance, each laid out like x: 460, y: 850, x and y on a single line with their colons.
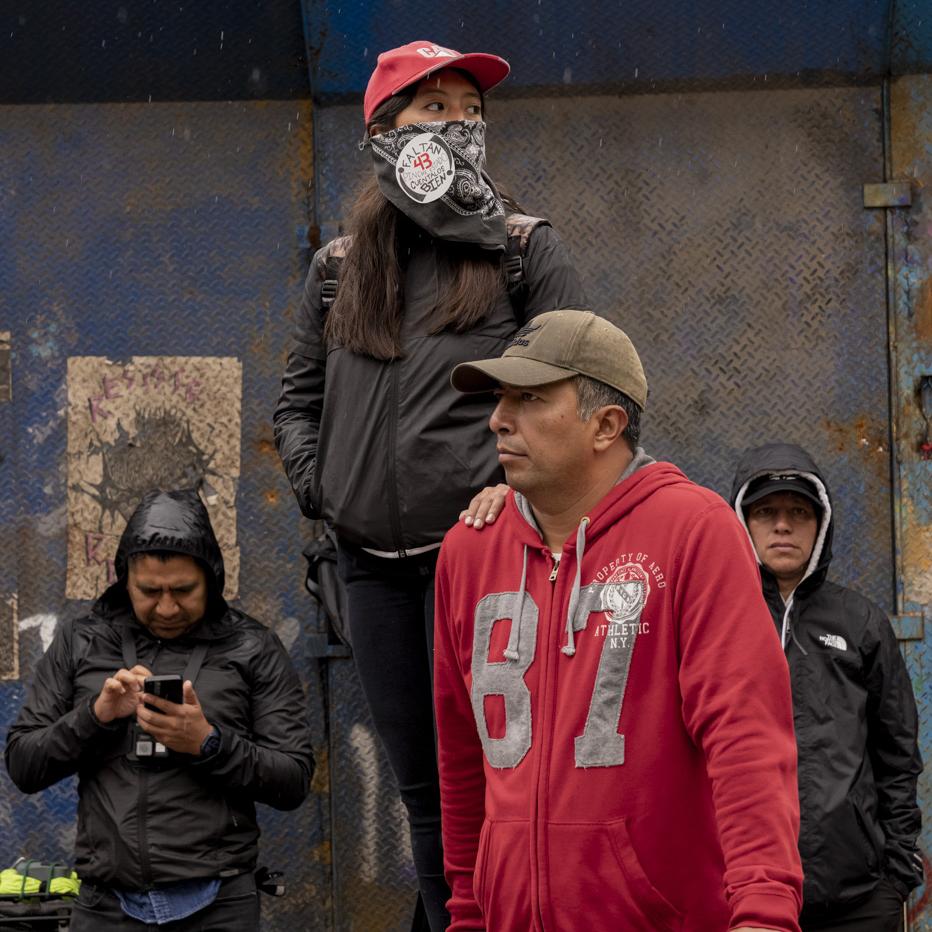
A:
x: 236, y: 909
x: 390, y: 604
x: 881, y: 912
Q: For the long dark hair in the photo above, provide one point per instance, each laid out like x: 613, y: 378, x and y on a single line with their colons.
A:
x: 367, y: 314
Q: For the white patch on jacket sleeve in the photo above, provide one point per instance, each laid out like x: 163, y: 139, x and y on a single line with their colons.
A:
x: 834, y: 640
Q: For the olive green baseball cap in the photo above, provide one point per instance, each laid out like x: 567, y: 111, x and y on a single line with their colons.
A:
x: 560, y: 345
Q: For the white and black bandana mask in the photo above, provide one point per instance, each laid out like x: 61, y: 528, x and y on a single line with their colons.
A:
x: 434, y: 173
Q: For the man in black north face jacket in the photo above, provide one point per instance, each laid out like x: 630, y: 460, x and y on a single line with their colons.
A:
x: 166, y: 819
x: 853, y: 704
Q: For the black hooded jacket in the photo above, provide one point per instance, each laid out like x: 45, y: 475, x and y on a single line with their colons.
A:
x: 854, y: 713
x: 141, y: 826
x: 388, y: 452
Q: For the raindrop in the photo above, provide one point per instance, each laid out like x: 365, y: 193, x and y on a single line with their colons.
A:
x: 22, y: 20
x: 567, y: 75
x: 636, y: 72
x: 122, y: 14
x: 103, y: 43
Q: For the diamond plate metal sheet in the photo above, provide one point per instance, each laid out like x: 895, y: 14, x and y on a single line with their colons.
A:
x: 155, y: 230
x: 374, y: 880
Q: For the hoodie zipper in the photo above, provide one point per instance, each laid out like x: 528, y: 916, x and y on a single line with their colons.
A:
x: 545, y: 652
x: 142, y: 810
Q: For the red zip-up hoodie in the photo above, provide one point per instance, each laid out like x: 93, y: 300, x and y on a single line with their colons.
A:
x: 622, y: 759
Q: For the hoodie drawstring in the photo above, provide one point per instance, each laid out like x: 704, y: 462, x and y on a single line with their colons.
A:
x: 570, y: 647
x: 788, y: 628
x: 512, y: 651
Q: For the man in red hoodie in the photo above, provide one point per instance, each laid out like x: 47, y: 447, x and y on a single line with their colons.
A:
x: 615, y: 725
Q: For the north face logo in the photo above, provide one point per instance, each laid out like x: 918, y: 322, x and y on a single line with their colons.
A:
x: 834, y: 640
x: 519, y: 339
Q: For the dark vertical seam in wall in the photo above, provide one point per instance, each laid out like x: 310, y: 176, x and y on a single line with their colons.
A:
x: 892, y: 397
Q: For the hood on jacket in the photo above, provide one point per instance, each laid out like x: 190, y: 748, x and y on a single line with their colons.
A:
x: 176, y: 522
x: 635, y: 484
x: 788, y: 459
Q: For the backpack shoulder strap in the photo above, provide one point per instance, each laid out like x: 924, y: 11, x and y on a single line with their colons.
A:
x: 333, y: 255
x: 519, y: 228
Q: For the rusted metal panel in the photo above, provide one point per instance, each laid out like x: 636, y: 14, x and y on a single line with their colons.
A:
x: 910, y: 115
x: 162, y: 230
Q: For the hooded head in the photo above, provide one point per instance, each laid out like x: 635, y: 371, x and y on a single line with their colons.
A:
x: 166, y: 523
x: 787, y: 473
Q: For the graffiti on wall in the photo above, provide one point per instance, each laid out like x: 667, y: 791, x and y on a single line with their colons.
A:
x: 167, y: 422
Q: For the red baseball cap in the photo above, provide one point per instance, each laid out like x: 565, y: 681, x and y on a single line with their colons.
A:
x: 397, y: 68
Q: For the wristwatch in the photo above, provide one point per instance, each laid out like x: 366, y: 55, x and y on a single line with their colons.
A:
x: 211, y: 744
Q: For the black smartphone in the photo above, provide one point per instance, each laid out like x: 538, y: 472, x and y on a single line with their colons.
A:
x: 167, y: 686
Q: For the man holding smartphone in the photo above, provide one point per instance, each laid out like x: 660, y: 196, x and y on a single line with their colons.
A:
x: 167, y: 828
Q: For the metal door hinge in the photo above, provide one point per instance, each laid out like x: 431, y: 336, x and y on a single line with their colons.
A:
x: 909, y: 626
x: 888, y: 194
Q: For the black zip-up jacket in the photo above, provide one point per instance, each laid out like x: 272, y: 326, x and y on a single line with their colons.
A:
x: 388, y: 452
x: 140, y: 827
x: 855, y: 718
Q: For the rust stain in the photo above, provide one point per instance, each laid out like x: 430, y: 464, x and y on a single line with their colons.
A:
x: 861, y: 434
x: 910, y: 98
x: 266, y: 447
x: 322, y: 853
x: 271, y: 497
x: 923, y: 312
x: 320, y: 782
x: 918, y: 908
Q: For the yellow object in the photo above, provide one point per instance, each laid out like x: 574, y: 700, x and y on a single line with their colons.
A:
x: 13, y: 883
x: 65, y: 886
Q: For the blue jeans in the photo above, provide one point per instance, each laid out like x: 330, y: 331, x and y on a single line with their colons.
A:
x: 236, y: 909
